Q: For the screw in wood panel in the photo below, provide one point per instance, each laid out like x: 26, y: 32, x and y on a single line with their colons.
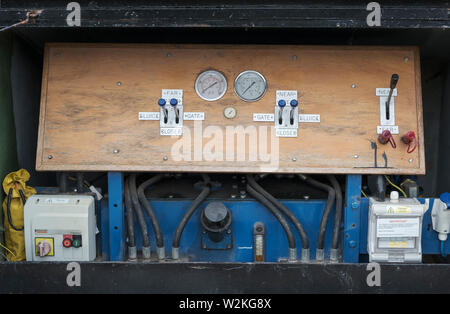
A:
x: 410, y: 160
x: 57, y: 55
x: 165, y: 158
x: 49, y: 156
x: 116, y: 151
x: 119, y: 83
x: 294, y: 57
x: 353, y: 85
x: 406, y: 59
x: 169, y: 54
x: 355, y: 156
x: 294, y: 159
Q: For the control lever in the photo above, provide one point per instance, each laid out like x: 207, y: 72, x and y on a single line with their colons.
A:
x: 393, y: 84
x: 162, y: 104
x: 281, y: 104
x: 174, y: 103
x: 293, y: 103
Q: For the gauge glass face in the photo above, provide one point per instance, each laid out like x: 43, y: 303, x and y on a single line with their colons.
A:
x: 250, y: 85
x: 211, y: 85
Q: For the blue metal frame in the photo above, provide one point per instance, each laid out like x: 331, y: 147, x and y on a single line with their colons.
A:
x: 352, y: 219
x: 116, y: 245
x: 245, y: 214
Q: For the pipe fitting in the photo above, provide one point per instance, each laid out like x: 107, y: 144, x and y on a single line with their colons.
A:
x: 146, y: 252
x: 320, y: 256
x: 305, y: 255
x: 176, y: 253
x: 132, y: 253
x: 161, y: 251
x: 292, y: 255
x: 334, y: 255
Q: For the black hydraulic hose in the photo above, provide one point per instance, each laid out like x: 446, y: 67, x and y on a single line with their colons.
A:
x: 63, y: 182
x: 80, y: 182
x: 326, y: 211
x: 151, y: 214
x: 8, y: 209
x: 195, y: 204
x: 282, y: 208
x: 130, y: 216
x: 138, y: 210
x: 337, y: 213
x: 283, y: 222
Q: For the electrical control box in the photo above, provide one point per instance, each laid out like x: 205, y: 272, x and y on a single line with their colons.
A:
x: 60, y: 228
x: 395, y: 230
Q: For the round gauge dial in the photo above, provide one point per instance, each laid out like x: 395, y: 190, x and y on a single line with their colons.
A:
x: 250, y: 85
x: 211, y: 85
x: 230, y: 112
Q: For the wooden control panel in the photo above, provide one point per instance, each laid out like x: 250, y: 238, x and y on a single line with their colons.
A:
x: 101, y: 109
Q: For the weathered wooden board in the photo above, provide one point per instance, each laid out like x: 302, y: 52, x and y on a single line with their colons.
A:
x: 89, y: 121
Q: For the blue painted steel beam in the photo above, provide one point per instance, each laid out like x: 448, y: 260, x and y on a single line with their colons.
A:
x: 352, y: 219
x: 116, y: 233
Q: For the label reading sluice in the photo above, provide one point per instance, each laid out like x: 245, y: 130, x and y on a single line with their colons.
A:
x: 263, y: 117
x: 170, y: 131
x: 309, y: 118
x: 148, y: 116
x: 194, y: 116
x: 398, y: 227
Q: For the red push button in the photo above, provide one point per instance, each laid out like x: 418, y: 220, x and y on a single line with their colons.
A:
x: 67, y: 242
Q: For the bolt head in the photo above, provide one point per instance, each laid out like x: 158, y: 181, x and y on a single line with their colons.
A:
x: 355, y: 205
x: 353, y: 85
x: 49, y: 156
x: 119, y: 83
x: 352, y: 244
x: 406, y: 59
x: 355, y: 156
x: 294, y: 159
x: 410, y: 160
x: 116, y: 151
x: 165, y: 158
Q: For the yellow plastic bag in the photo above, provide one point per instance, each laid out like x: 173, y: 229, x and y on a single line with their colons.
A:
x: 17, y: 192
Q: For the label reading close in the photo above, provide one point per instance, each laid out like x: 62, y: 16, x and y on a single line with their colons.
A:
x: 398, y: 227
x: 171, y: 131
x: 286, y: 132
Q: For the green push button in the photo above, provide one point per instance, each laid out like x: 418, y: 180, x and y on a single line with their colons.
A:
x: 76, y: 242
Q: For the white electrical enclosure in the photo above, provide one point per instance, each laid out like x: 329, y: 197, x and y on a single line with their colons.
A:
x: 60, y: 228
x: 395, y: 230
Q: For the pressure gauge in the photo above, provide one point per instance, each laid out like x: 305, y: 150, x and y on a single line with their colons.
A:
x: 230, y: 112
x: 250, y: 85
x: 211, y: 85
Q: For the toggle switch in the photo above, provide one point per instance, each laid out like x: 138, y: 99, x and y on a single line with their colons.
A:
x: 162, y: 104
x: 393, y: 84
x: 174, y: 103
x: 281, y: 105
x: 294, y: 104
